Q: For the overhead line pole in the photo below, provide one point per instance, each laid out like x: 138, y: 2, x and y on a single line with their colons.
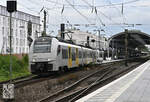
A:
x: 45, y: 22
x: 10, y: 38
x: 99, y: 39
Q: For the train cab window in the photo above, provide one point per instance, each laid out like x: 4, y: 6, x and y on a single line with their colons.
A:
x: 42, y: 45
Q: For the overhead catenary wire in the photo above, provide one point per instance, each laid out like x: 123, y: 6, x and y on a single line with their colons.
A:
x: 31, y: 9
x: 120, y: 12
x: 67, y: 5
x: 113, y: 4
x: 102, y: 13
x: 78, y: 11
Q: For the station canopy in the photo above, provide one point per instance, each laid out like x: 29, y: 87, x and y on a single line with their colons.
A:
x: 136, y: 39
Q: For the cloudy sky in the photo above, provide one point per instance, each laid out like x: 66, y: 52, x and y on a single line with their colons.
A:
x: 91, y: 14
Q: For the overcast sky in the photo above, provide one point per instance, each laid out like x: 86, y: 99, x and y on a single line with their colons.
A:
x: 102, y: 13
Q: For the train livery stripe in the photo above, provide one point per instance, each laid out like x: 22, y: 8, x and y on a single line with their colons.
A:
x: 69, y: 57
x: 77, y: 57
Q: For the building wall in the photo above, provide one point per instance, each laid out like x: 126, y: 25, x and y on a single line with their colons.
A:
x: 19, y: 31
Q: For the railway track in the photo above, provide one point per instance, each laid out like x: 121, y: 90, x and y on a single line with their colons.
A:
x: 2, y: 82
x: 84, y: 91
x: 73, y: 86
x: 19, y: 81
x: 73, y: 89
x: 79, y: 89
x: 27, y: 79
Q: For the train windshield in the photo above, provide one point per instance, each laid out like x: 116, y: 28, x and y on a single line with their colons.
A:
x: 42, y: 45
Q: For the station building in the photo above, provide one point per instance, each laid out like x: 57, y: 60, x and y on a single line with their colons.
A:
x: 19, y: 31
x: 80, y: 37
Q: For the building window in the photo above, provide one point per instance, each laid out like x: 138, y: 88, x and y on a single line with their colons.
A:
x: 7, y: 32
x: 23, y: 51
x: 0, y: 10
x: 12, y: 40
x: 16, y: 23
x: 20, y: 50
x: 27, y: 50
x: 20, y: 42
x: 7, y: 21
x: 16, y: 49
x: 4, y: 21
x: 3, y: 10
x: 12, y: 32
x: 3, y: 31
x: 20, y: 33
x: 16, y: 33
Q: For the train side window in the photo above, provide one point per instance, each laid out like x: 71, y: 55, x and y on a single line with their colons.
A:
x: 73, y: 55
x: 80, y: 54
x: 100, y: 54
x: 83, y: 54
x: 69, y: 52
x: 64, y: 54
x: 91, y: 54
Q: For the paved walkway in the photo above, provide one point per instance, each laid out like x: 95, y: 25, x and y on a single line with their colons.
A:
x: 132, y: 87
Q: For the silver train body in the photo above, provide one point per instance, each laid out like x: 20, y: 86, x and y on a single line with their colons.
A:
x: 48, y: 54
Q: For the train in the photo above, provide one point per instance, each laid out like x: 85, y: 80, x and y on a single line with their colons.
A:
x: 50, y: 54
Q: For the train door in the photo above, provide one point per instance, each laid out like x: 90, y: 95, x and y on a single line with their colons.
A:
x: 69, y: 57
x: 77, y: 57
x: 82, y: 61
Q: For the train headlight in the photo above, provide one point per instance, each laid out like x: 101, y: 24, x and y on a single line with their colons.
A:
x: 48, y: 59
x: 33, y: 60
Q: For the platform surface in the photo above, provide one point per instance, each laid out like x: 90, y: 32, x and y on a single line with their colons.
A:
x: 132, y: 87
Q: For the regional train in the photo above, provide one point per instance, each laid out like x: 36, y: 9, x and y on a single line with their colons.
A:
x: 49, y: 54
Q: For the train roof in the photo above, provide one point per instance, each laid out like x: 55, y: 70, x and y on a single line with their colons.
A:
x: 66, y: 41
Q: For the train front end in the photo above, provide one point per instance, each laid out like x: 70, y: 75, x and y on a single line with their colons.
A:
x: 42, y: 56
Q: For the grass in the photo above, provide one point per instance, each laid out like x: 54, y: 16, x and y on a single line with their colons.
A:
x: 19, y: 67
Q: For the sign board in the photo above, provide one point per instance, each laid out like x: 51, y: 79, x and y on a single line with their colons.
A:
x: 8, y: 91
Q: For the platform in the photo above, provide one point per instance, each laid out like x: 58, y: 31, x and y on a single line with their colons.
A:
x: 132, y: 87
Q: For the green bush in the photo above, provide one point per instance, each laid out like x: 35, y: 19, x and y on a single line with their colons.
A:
x: 19, y: 67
